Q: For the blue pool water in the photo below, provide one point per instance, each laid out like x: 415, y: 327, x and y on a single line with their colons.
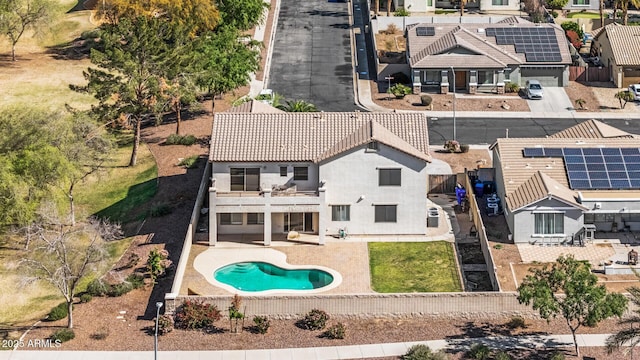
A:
x: 261, y: 276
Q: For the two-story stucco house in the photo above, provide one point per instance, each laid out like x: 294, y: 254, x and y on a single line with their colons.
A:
x: 318, y: 173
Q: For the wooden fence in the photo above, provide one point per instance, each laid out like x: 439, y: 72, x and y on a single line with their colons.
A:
x: 442, y: 184
x: 589, y: 73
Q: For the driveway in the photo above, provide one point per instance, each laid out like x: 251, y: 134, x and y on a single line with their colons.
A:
x: 311, y: 58
x: 555, y: 100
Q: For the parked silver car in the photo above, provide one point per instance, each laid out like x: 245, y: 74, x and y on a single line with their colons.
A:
x: 533, y: 89
x: 634, y: 89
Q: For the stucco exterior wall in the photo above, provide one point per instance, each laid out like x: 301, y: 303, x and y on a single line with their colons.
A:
x: 487, y: 5
x: 604, y: 51
x: 524, y: 220
x: 269, y: 175
x: 352, y: 179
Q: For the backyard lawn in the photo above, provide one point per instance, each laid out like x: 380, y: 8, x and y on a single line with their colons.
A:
x: 413, y: 267
x: 583, y: 15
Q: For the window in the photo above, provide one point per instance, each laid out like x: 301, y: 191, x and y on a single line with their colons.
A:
x: 507, y: 74
x: 581, y: 2
x: 300, y: 173
x: 499, y: 2
x: 340, y: 212
x: 386, y: 213
x: 389, y: 177
x: 283, y: 171
x: 255, y: 218
x: 485, y: 77
x: 549, y: 223
x: 429, y: 2
x: 230, y: 219
x: 245, y: 179
x: 431, y: 77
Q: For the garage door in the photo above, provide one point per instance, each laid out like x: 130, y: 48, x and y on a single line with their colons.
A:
x: 546, y: 76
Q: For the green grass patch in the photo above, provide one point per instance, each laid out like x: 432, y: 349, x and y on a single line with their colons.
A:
x: 117, y: 194
x: 583, y: 15
x: 190, y: 162
x: 445, y: 11
x: 413, y: 267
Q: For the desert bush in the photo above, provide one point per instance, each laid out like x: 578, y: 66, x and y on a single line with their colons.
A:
x: 426, y: 100
x: 262, y: 324
x: 452, y: 146
x: 62, y: 335
x: 390, y: 30
x: 502, y: 356
x: 401, y: 12
x: 511, y: 87
x: 175, y: 139
x: 497, y: 246
x: 479, y: 352
x: 165, y: 324
x: 315, y: 320
x: 557, y: 355
x: 235, y: 315
x: 464, y: 148
x: 189, y: 162
x: 196, y: 315
x: 157, y: 263
x: 336, y: 331
x: 136, y: 280
x: 400, y: 90
x: 85, y: 298
x: 117, y: 290
x: 516, y: 322
x: 60, y: 311
x: 423, y: 352
x: 97, y: 287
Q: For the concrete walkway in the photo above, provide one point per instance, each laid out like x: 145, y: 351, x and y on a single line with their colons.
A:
x: 319, y: 353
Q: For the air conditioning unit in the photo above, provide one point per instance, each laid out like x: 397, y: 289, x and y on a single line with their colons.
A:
x: 597, y: 206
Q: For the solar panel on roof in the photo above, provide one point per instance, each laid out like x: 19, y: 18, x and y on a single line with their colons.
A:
x: 533, y: 152
x: 602, y: 168
x: 553, y: 152
x: 534, y: 42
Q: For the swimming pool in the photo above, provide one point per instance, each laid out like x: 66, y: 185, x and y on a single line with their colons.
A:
x: 262, y: 276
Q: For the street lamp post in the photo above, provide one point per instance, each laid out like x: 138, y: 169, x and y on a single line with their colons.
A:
x: 155, y: 348
x: 389, y: 87
x: 453, y: 75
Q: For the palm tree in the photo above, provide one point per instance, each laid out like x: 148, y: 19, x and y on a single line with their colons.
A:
x: 298, y: 106
x: 580, y: 102
x: 624, y: 5
x: 631, y: 336
x: 625, y: 96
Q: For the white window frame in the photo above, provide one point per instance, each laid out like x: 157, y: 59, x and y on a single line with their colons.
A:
x: 386, y: 177
x: 540, y: 229
x: 386, y: 218
x: 340, y: 212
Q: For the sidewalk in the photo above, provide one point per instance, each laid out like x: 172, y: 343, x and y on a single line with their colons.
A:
x: 320, y: 353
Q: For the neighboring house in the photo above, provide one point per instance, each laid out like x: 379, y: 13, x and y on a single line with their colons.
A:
x: 318, y: 173
x: 484, y: 56
x: 580, y: 5
x: 417, y: 6
x: 570, y: 184
x: 618, y: 47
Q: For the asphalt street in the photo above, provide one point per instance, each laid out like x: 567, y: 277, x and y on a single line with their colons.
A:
x: 487, y: 130
x: 311, y: 58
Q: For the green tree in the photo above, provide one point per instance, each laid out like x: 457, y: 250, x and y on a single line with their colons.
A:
x: 569, y: 289
x: 131, y: 64
x: 624, y: 6
x: 557, y: 4
x: 628, y: 337
x: 242, y: 14
x: 64, y: 255
x: 298, y: 106
x: 623, y: 97
x: 224, y: 62
x: 20, y: 16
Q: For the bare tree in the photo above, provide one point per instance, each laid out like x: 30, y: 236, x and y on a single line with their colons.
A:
x: 19, y: 16
x: 64, y: 255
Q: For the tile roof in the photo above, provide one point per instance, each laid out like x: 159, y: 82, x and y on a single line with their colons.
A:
x: 254, y: 106
x: 625, y: 43
x: 592, y: 129
x: 426, y: 51
x: 538, y: 187
x: 313, y: 137
x: 517, y: 170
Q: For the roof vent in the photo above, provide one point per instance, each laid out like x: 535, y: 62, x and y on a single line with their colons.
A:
x: 481, y: 30
x: 580, y: 142
x: 528, y: 166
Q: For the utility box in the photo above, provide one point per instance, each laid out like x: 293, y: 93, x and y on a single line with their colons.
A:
x: 433, y: 217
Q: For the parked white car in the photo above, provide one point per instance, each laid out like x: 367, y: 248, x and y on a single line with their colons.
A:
x: 533, y: 89
x: 635, y: 90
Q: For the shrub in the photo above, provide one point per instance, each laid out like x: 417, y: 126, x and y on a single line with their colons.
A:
x: 262, y: 324
x: 133, y: 261
x: 336, y: 331
x: 497, y: 246
x: 401, y: 12
x: 511, y: 87
x: 165, y: 324
x: 390, y: 30
x: 315, y: 320
x: 97, y: 287
x: 452, y: 146
x: 400, y: 90
x: 557, y: 355
x: 580, y: 102
x: 58, y: 312
x: 423, y: 352
x: 175, y: 139
x: 516, y: 322
x: 196, y: 315
x: 571, y: 25
x: 426, y: 100
x: 464, y: 148
x: 157, y: 263
x: 401, y: 78
x: 234, y: 313
x: 119, y: 289
x: 189, y: 162
x: 188, y: 140
x: 85, y: 298
x: 502, y: 356
x: 479, y: 352
x: 160, y: 210
x: 136, y: 280
x: 62, y: 335
x: 554, y: 14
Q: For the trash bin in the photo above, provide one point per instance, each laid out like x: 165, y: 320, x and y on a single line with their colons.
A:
x: 479, y: 188
x: 433, y: 217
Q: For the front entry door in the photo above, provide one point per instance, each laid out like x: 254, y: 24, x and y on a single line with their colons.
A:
x: 461, y: 80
